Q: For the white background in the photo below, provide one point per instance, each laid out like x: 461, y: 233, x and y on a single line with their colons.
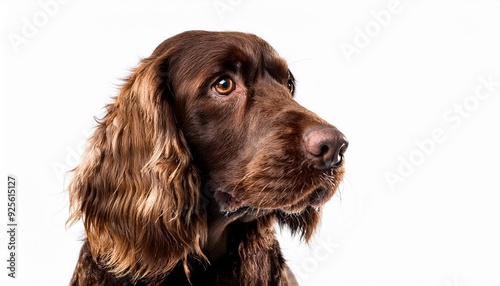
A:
x: 407, y: 79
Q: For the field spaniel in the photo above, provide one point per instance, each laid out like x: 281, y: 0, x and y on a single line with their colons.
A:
x: 201, y: 154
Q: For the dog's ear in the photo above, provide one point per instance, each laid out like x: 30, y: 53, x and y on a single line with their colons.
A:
x: 136, y: 188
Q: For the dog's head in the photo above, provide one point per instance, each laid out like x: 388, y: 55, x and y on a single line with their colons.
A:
x: 209, y: 115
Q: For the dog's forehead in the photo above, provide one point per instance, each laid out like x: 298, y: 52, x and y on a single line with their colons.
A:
x: 248, y: 59
x: 239, y: 50
x: 208, y: 49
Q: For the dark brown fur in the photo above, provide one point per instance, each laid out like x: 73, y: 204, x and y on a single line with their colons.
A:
x: 181, y: 185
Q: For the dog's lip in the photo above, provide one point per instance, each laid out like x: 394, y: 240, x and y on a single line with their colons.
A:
x: 227, y: 202
x: 318, y: 197
x: 315, y: 200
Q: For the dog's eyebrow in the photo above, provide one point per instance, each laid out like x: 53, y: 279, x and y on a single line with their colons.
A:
x: 276, y: 67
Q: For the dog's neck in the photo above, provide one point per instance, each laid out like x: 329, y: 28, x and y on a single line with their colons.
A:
x: 218, y: 230
x: 220, y: 224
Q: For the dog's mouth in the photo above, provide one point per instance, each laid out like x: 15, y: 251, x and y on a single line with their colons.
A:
x: 316, y: 199
x: 315, y: 196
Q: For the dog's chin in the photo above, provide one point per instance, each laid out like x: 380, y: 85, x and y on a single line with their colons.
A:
x: 228, y: 204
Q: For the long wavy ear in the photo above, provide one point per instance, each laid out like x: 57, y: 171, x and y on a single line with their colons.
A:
x: 136, y: 188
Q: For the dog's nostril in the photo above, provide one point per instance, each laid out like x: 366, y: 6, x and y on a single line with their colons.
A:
x: 324, y: 149
x: 325, y: 146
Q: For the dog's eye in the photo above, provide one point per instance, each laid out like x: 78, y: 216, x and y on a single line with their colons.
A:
x: 224, y: 86
x: 290, y: 85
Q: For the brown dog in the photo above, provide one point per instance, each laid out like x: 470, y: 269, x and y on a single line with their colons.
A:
x: 202, y: 151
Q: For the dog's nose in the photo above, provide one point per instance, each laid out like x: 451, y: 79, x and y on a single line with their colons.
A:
x: 325, y: 146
